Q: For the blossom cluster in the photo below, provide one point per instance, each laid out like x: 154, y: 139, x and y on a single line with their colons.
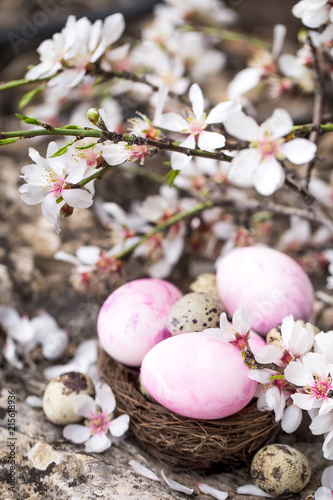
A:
x: 294, y: 371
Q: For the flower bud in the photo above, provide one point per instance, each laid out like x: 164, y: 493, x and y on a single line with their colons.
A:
x: 66, y: 211
x: 93, y: 116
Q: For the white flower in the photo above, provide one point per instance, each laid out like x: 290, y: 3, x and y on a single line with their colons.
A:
x: 79, y: 44
x: 49, y: 179
x: 195, y: 124
x: 41, y: 330
x: 296, y: 340
x: 313, y: 13
x: 259, y: 163
x: 99, y: 427
x: 84, y: 359
x: 297, y: 236
x: 321, y: 190
x: 325, y: 492
x: 238, y: 333
x: 314, y: 376
x: 262, y: 65
x: 116, y: 154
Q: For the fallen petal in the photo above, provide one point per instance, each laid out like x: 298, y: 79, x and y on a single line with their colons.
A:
x: 143, y: 471
x: 209, y: 490
x: 251, y: 489
x: 176, y: 486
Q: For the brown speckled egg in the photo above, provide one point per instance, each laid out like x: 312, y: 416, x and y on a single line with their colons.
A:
x: 274, y: 335
x: 56, y: 400
x: 279, y: 469
x: 205, y: 283
x: 194, y: 312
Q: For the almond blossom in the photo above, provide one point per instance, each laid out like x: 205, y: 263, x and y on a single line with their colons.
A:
x: 237, y: 333
x: 295, y: 341
x: 79, y: 45
x: 313, y: 374
x: 50, y: 179
x: 194, y: 123
x: 313, y: 13
x: 259, y: 163
x: 99, y: 426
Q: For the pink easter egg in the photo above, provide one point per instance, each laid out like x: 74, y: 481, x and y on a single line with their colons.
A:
x: 198, y: 376
x: 133, y: 318
x: 270, y: 283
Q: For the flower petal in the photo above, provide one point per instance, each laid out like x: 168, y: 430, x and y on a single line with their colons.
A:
x: 209, y: 490
x: 97, y: 443
x: 279, y: 124
x: 327, y: 477
x: 291, y: 419
x: 172, y: 121
x: 176, y: 486
x: 197, y: 100
x: 210, y: 140
x: 299, y: 151
x: 50, y: 210
x: 243, y: 167
x: 241, y: 126
x: 221, y: 111
x: 268, y: 177
x: 268, y: 354
x: 242, y: 320
x: 251, y: 489
x: 244, y: 81
x: 76, y: 433
x: 119, y: 425
x: 77, y: 198
x: 105, y: 398
x: 143, y: 471
x: 179, y: 160
x: 83, y: 405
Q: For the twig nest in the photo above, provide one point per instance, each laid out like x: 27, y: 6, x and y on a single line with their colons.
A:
x: 205, y: 283
x: 279, y: 469
x: 193, y: 313
x: 57, y: 397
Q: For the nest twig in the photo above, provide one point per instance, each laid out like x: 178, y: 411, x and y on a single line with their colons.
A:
x: 184, y: 443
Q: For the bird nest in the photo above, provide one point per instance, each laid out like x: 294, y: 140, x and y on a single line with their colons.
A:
x: 185, y: 443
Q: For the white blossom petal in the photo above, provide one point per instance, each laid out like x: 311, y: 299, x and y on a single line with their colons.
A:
x: 328, y: 446
x: 299, y: 151
x: 172, y: 121
x: 97, y: 443
x: 251, y: 489
x: 50, y: 210
x: 34, y: 401
x: 279, y: 124
x: 209, y: 490
x: 143, y: 471
x: 77, y: 198
x: 241, y: 126
x: 244, y: 81
x: 221, y: 111
x: 327, y: 477
x: 268, y: 354
x: 176, y: 486
x: 209, y: 141
x: 242, y: 320
x: 83, y: 405
x: 279, y: 34
x: 291, y: 419
x: 197, y: 100
x: 105, y: 398
x: 76, y: 433
x: 268, y: 177
x: 119, y: 425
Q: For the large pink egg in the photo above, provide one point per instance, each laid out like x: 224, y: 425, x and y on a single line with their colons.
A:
x: 197, y: 376
x: 270, y: 283
x: 133, y: 319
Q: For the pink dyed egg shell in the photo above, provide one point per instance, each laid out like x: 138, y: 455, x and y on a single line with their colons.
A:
x: 197, y: 376
x: 133, y: 319
x: 270, y: 283
x: 256, y: 341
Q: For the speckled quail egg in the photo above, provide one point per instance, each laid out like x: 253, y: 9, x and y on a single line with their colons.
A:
x: 275, y: 334
x: 205, y: 283
x: 279, y: 469
x: 57, y: 397
x: 194, y: 312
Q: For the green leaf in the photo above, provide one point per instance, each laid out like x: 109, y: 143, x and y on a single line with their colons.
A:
x: 30, y: 95
x: 87, y: 146
x: 3, y: 142
x: 28, y: 119
x: 63, y: 150
x: 171, y: 176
